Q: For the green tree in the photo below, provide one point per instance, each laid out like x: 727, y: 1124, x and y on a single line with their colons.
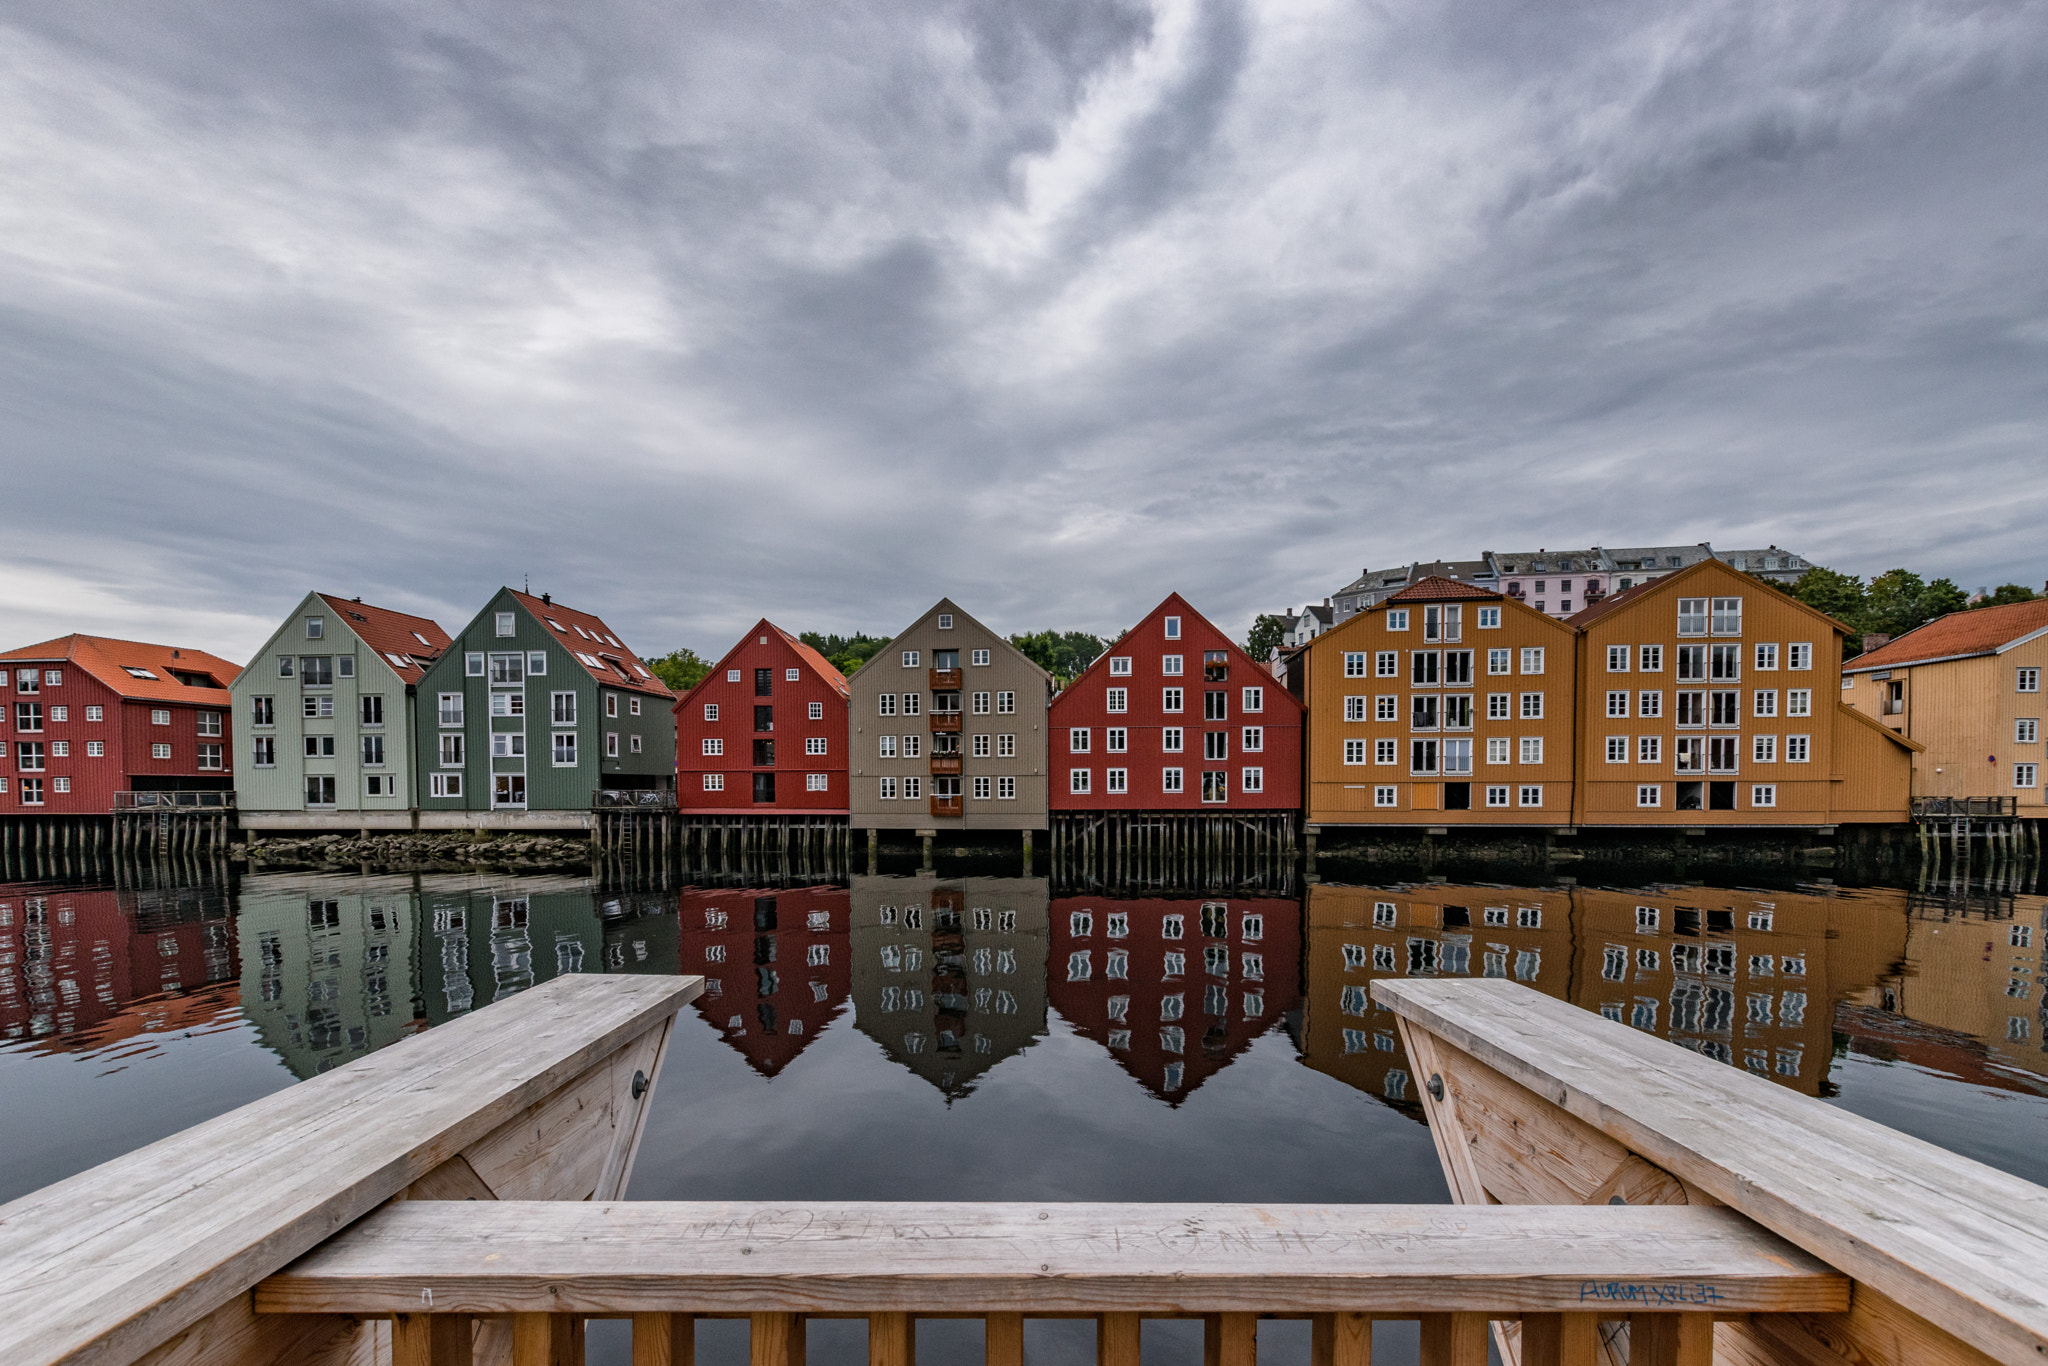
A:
x: 846, y: 653
x: 681, y: 668
x: 1891, y: 603
x: 1839, y: 595
x: 1267, y: 633
x: 2007, y: 593
x: 1063, y: 654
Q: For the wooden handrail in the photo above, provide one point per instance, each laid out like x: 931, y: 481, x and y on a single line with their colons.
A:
x: 538, y: 1095
x: 648, y: 1256
x: 1958, y: 1243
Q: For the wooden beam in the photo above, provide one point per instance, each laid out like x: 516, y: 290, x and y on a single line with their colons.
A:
x: 1117, y: 1338
x: 1003, y: 1339
x: 1560, y: 1340
x: 775, y: 1340
x: 1340, y: 1340
x: 1230, y: 1340
x: 1670, y: 1340
x: 1460, y: 1340
x: 892, y: 1340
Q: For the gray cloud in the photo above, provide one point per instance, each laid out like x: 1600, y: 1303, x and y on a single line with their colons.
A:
x: 699, y: 312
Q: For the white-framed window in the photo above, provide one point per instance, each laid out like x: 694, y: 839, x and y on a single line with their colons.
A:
x: 502, y: 623
x: 1649, y: 794
x: 1532, y: 706
x: 945, y: 621
x: 1116, y: 781
x: 536, y: 663
x: 1766, y: 701
x: 95, y: 749
x: 1077, y: 739
x: 817, y: 710
x: 1532, y: 659
x: 2026, y: 731
x: 1617, y: 749
x: 1763, y: 794
x: 1170, y: 699
x: 1617, y: 703
x: 444, y: 784
x: 160, y: 717
x: 912, y: 746
x: 980, y: 744
x: 815, y: 782
x: 1006, y: 703
x: 1617, y: 659
x: 710, y: 711
x: 1649, y: 705
x: 886, y: 706
x: 1497, y: 750
x: 380, y: 785
x: 1170, y: 780
x: 981, y: 789
x: 1532, y: 749
x: 732, y: 675
x: 1173, y: 628
x: 1252, y: 740
x: 1798, y: 701
x: 451, y: 750
x: 2025, y: 775
x: 61, y: 749
x: 1763, y: 749
x: 1119, y: 699
x: 1170, y: 740
x: 913, y: 702
x: 1169, y: 665
x: 2029, y: 680
x: 714, y: 782
x: 888, y: 789
x: 611, y: 744
x: 1385, y: 794
x: 508, y: 744
x: 1078, y: 780
x: 1497, y: 794
x: 714, y: 746
x: 910, y: 658
x: 1254, y: 699
x: 1354, y: 751
x: 1650, y: 749
x: 1386, y: 751
x: 1119, y: 666
x: 1766, y: 657
x: 1498, y: 705
x: 1497, y: 661
x: 164, y: 751
x: 1799, y: 655
x: 1422, y: 757
x: 792, y: 675
x: 1692, y: 616
x: 316, y: 628
x: 978, y: 658
x: 565, y: 748
x: 508, y: 704
x: 814, y: 744
x: 1489, y: 618
x: 1006, y: 789
x: 1354, y: 709
x: 1006, y: 747
x: 373, y: 751
x: 1386, y: 664
x: 1529, y: 794
x: 1397, y: 619
x: 978, y: 704
x: 1727, y: 616
x: 94, y: 714
x: 1386, y: 707
x: 1252, y: 780
x: 1115, y: 740
x: 1650, y: 659
x: 1354, y: 663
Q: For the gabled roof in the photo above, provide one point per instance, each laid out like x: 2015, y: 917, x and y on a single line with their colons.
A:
x: 948, y: 605
x: 1437, y: 589
x: 1898, y: 738
x: 818, y: 664
x: 595, y: 646
x: 1175, y: 603
x: 1980, y: 631
x: 407, y: 643
x: 1676, y: 579
x: 137, y: 670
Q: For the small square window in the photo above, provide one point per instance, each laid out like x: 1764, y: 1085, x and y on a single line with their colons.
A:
x: 1397, y: 619
x: 977, y: 658
x: 1173, y: 628
x: 1489, y: 618
x: 817, y: 711
x: 1385, y: 794
x: 791, y: 675
x: 1649, y: 794
x: 945, y: 621
x: 732, y: 675
x: 910, y: 658
x: 1497, y: 795
x: 504, y: 623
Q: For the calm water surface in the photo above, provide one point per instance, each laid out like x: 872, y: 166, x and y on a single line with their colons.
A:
x: 1000, y: 1039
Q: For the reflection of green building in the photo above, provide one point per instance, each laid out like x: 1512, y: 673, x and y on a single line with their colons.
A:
x: 327, y: 965
x: 640, y: 933
x: 949, y: 977
x: 482, y: 939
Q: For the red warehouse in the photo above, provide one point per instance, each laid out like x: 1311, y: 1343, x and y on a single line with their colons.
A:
x: 1174, y: 717
x: 89, y: 717
x: 765, y: 733
x: 1175, y: 990
x: 776, y: 965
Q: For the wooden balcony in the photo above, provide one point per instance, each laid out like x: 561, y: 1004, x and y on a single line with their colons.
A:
x: 945, y: 765
x: 945, y: 806
x: 945, y: 680
x: 945, y: 721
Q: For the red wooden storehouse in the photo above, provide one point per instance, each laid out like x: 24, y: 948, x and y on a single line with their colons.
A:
x: 777, y: 965
x: 89, y: 718
x: 764, y: 734
x: 1173, y: 717
x: 1174, y: 989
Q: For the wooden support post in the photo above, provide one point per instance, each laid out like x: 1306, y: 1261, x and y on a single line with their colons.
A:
x: 891, y: 1341
x: 1458, y: 1340
x: 1670, y: 1339
x: 547, y: 1340
x: 1003, y: 1340
x: 664, y: 1339
x: 1116, y: 1339
x: 1233, y: 1340
x: 1343, y: 1340
x: 1560, y: 1339
x: 776, y: 1340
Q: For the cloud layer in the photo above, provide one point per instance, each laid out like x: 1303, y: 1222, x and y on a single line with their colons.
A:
x: 695, y: 312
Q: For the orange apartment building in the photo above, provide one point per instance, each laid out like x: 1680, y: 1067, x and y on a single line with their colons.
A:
x: 1707, y: 697
x: 1967, y: 687
x: 1446, y: 704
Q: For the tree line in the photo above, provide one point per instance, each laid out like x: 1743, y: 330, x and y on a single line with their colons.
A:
x: 1063, y: 654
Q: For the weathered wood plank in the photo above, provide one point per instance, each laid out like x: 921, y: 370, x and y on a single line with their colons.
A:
x: 104, y: 1266
x: 1117, y: 1337
x: 1560, y: 1340
x: 1453, y: 1340
x: 1340, y: 1340
x: 646, y: 1256
x: 1003, y: 1340
x: 1951, y: 1240
x: 892, y: 1341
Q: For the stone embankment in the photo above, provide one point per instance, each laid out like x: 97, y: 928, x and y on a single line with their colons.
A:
x: 450, y: 851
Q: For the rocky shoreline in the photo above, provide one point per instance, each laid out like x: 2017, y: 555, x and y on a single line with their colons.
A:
x: 447, y: 851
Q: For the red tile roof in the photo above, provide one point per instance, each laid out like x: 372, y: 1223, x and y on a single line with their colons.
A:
x: 1438, y: 589
x: 811, y: 657
x: 587, y: 637
x: 408, y: 643
x: 111, y: 661
x: 1978, y: 632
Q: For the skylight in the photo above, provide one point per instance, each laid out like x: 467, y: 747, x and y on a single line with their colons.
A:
x: 134, y: 672
x: 423, y: 640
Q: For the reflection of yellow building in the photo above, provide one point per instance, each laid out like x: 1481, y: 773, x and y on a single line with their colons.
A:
x: 949, y: 977
x: 327, y: 969
x: 1968, y: 999
x: 1749, y: 978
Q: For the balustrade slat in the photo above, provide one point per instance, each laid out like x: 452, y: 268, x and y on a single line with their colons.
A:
x: 1456, y: 1340
x: 776, y: 1340
x: 1670, y: 1340
x: 1003, y: 1340
x: 1341, y: 1340
x: 1230, y: 1340
x: 1560, y: 1340
x: 1117, y: 1337
x: 891, y: 1341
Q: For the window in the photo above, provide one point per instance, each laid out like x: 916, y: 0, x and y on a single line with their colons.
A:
x: 1078, y: 780
x: 978, y: 658
x: 1253, y: 740
x: 94, y: 714
x: 1497, y: 750
x: 1766, y: 701
x: 373, y: 751
x: 1118, y: 699
x: 504, y: 623
x: 1617, y: 704
x: 1798, y: 701
x: 1763, y: 749
x: 445, y: 784
x: 611, y: 745
x: 315, y: 627
x: 1532, y: 659
x: 1532, y: 706
x: 1422, y: 668
x: 1170, y: 780
x: 1170, y: 699
x: 1725, y: 708
x: 451, y: 751
x: 1489, y: 618
x: 2026, y: 731
x: 160, y: 717
x: 1119, y: 666
x: 2024, y: 775
x: 1766, y: 657
x: 1006, y: 789
x: 1422, y: 711
x: 1006, y: 747
x: 1650, y: 659
x: 1726, y: 663
x: 1397, y: 619
x: 1422, y: 756
x: 1692, y: 616
x: 912, y: 703
x: 888, y: 789
x: 1254, y: 699
x: 61, y: 749
x: 1649, y: 794
x: 1529, y: 795
x: 1215, y: 786
x: 264, y: 749
x: 1384, y: 795
x: 1617, y: 659
x: 511, y: 744
x: 1006, y: 703
x: 886, y: 746
x: 1252, y: 780
x: 1116, y: 780
x: 1497, y: 795
x: 633, y: 705
x: 981, y: 747
x: 2030, y: 680
x: 1386, y: 751
x: 319, y: 789
x: 1689, y: 754
x: 887, y: 705
x: 1799, y: 656
x: 910, y: 659
x: 1169, y: 665
x: 1532, y: 749
x: 1215, y: 705
x: 1763, y: 794
x: 1721, y: 754
x: 1115, y: 739
x: 1617, y: 749
x: 1216, y: 744
x: 1173, y: 628
x: 1727, y: 616
x: 508, y: 704
x: 1077, y: 739
x: 814, y: 744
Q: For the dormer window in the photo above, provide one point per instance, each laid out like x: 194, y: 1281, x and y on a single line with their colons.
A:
x: 316, y: 627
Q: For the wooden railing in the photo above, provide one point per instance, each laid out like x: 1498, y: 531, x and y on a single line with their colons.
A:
x: 438, y: 1267
x: 1533, y: 1101
x: 945, y: 680
x: 204, y: 800
x: 1945, y: 808
x: 945, y: 720
x: 945, y: 806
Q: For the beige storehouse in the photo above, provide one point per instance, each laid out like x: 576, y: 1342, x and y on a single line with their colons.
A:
x: 1966, y: 687
x: 948, y: 731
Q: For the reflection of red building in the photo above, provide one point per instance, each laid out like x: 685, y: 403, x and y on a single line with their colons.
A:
x: 776, y: 965
x: 83, y: 967
x: 1174, y: 989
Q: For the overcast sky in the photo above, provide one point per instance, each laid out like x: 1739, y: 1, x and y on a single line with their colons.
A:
x: 696, y: 312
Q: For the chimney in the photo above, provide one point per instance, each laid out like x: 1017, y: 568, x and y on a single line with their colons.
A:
x: 1875, y: 640
x: 548, y: 599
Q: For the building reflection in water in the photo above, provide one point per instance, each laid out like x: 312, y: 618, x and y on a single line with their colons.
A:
x: 1174, y: 989
x: 775, y: 962
x: 82, y: 968
x: 949, y: 976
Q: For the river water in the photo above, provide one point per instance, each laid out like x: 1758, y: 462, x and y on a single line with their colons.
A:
x: 998, y: 1038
